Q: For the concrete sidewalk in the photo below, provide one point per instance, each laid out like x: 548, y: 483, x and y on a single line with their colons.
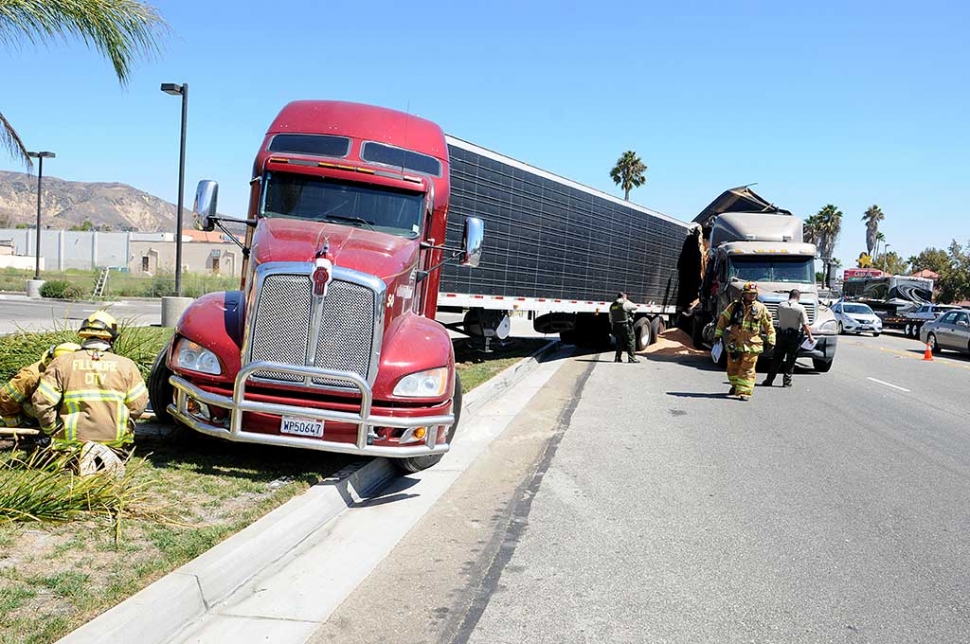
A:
x: 300, y: 543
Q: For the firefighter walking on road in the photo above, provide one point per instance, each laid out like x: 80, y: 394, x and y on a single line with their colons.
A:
x: 744, y: 321
x: 91, y: 395
x: 15, y: 397
x: 622, y: 321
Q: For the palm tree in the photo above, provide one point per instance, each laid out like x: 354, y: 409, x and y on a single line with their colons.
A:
x: 880, y: 241
x: 810, y: 230
x: 628, y: 173
x: 121, y: 30
x: 872, y: 218
x: 827, y: 226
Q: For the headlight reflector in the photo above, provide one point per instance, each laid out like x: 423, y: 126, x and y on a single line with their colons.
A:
x: 424, y: 384
x: 192, y: 356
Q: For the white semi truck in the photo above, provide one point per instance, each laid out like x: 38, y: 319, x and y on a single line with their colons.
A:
x: 758, y: 243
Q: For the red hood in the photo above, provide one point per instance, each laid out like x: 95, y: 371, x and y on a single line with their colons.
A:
x: 293, y: 240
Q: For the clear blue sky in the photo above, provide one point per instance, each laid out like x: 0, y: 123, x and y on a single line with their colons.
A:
x: 851, y: 103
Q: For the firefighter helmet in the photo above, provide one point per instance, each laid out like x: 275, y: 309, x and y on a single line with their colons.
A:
x: 99, y: 325
x: 57, y: 350
x: 750, y: 287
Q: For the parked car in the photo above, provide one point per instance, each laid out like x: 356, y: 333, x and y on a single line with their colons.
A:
x: 949, y: 331
x: 923, y: 314
x: 854, y: 317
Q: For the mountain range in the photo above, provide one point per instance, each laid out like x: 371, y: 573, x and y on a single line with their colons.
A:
x: 67, y: 204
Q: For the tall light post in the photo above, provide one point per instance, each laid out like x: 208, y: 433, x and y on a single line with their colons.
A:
x: 179, y: 90
x: 40, y: 156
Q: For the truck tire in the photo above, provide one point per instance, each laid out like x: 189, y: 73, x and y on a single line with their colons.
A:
x: 657, y: 327
x: 822, y: 366
x: 643, y: 334
x: 160, y: 391
x: 908, y: 330
x: 418, y: 463
x: 697, y: 332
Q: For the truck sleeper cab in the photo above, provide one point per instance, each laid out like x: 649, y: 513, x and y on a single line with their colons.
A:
x: 330, y: 344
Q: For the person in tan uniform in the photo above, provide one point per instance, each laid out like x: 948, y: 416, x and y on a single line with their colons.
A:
x: 91, y: 395
x: 744, y: 321
x: 15, y: 396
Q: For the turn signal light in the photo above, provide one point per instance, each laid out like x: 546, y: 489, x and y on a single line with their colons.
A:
x: 420, y: 432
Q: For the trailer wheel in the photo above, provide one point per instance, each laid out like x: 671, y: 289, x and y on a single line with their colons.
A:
x: 418, y: 463
x: 657, y: 327
x: 160, y: 391
x: 643, y: 333
x: 908, y: 330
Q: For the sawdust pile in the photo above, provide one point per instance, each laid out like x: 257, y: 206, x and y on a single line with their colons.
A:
x: 674, y: 342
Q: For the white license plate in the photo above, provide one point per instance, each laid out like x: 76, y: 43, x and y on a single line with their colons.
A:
x: 302, y: 426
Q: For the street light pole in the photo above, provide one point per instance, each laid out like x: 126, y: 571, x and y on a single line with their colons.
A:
x: 176, y: 90
x: 40, y: 156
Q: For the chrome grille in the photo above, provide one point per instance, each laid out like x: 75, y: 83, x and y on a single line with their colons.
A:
x: 347, y: 331
x: 282, y: 323
x: 809, y: 310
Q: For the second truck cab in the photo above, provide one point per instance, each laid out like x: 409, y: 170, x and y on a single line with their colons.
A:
x: 766, y: 249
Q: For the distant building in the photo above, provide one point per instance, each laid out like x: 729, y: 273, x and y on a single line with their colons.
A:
x: 135, y: 252
x: 927, y: 273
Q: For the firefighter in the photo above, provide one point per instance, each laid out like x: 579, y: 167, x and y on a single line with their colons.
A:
x: 15, y: 396
x: 622, y: 323
x: 744, y: 320
x: 92, y: 395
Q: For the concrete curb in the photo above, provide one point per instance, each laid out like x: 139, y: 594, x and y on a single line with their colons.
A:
x: 504, y: 380
x: 159, y: 612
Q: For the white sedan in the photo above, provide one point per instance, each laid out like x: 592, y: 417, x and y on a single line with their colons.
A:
x: 854, y: 317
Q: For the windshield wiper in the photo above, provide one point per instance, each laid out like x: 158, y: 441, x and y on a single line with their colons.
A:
x: 354, y: 220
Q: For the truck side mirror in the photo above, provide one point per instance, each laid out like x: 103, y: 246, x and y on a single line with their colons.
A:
x: 474, y: 236
x: 206, y: 197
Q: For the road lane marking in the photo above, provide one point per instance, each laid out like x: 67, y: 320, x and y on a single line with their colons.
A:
x: 917, y: 355
x: 888, y: 384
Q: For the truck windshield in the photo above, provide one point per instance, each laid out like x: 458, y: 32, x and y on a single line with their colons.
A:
x: 800, y: 270
x: 396, y: 212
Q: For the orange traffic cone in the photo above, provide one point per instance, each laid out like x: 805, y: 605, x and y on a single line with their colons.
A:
x: 928, y: 354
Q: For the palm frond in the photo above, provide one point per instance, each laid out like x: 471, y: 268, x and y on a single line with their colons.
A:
x: 11, y: 140
x: 121, y: 30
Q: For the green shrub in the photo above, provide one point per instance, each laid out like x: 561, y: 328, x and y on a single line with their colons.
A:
x: 73, y: 292
x: 140, y: 343
x: 54, y: 288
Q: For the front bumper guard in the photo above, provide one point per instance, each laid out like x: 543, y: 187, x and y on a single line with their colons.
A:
x: 237, y: 405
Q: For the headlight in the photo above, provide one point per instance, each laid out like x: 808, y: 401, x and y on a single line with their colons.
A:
x: 830, y: 326
x: 191, y: 356
x: 424, y: 384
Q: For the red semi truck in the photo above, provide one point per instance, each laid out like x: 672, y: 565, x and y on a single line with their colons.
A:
x: 330, y: 343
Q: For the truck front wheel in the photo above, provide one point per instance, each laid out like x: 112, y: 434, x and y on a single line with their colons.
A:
x: 418, y: 463
x: 697, y: 331
x: 160, y: 391
x: 822, y: 366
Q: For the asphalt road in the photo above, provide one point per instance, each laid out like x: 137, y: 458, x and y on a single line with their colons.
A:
x: 17, y: 312
x: 662, y: 511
